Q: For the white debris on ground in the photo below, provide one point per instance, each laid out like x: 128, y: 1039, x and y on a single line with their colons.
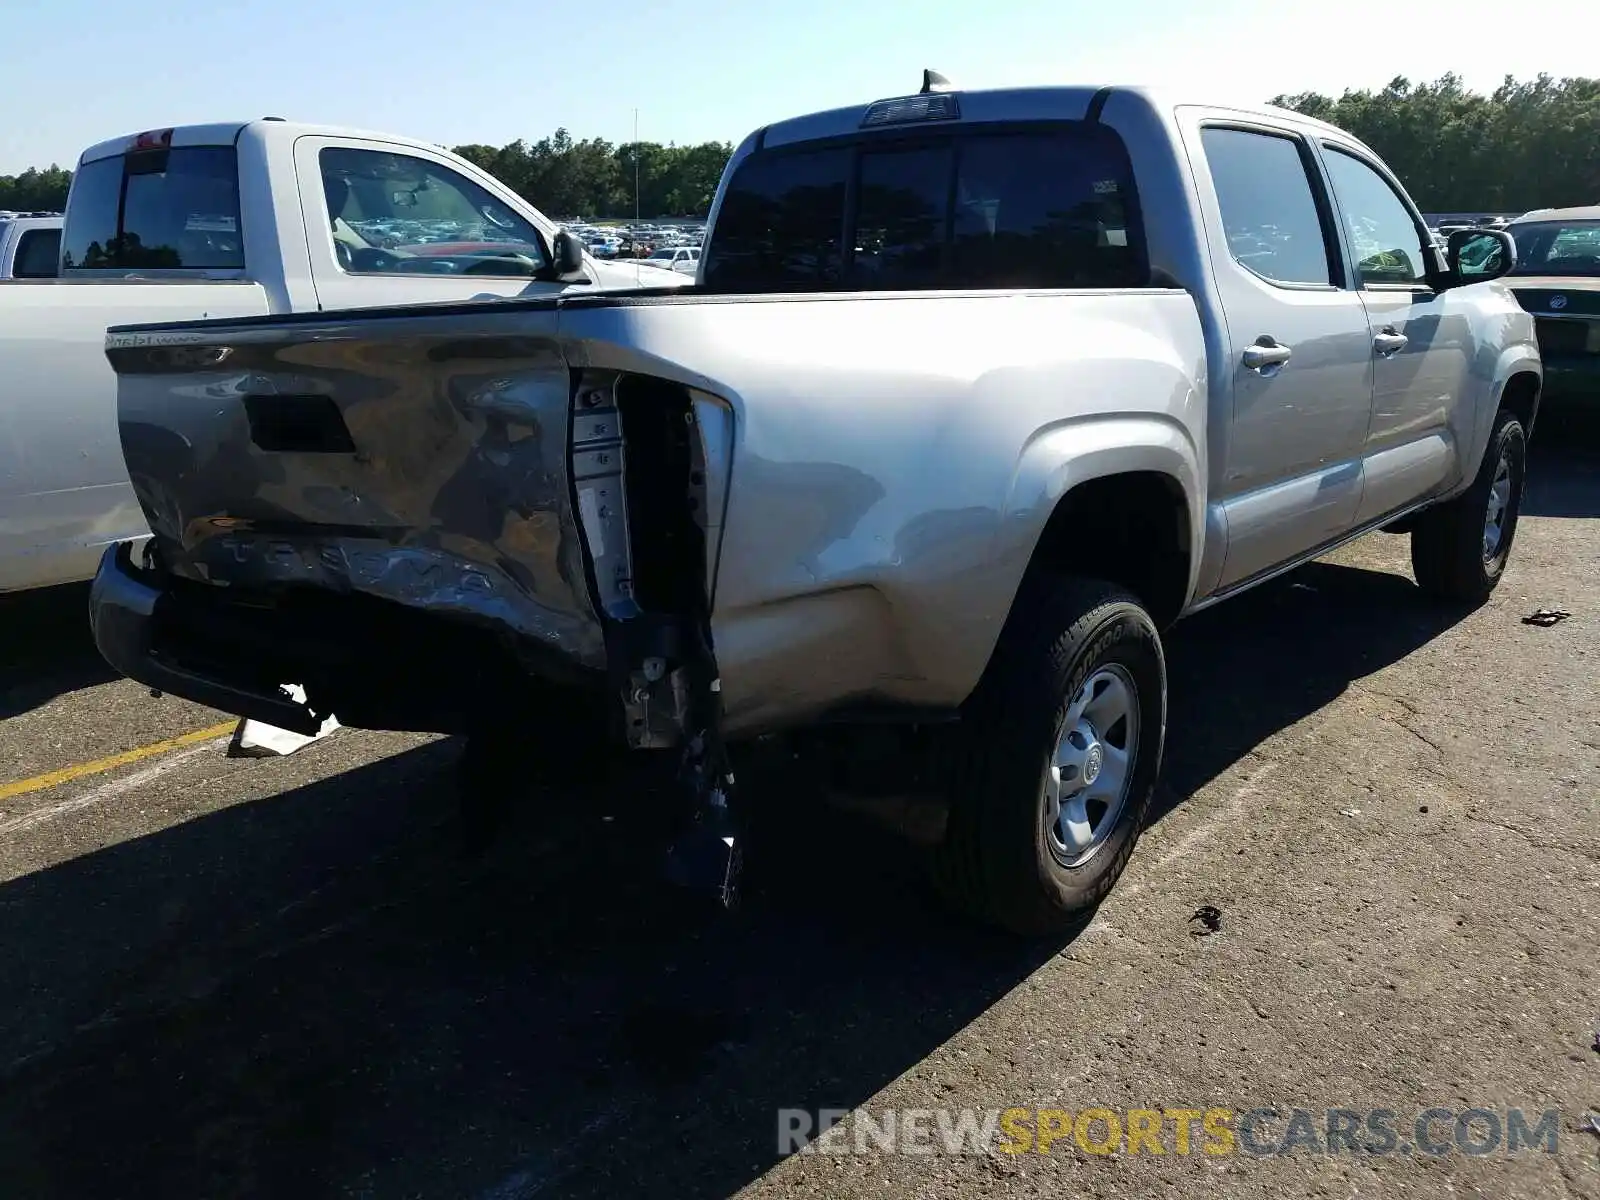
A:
x: 257, y: 739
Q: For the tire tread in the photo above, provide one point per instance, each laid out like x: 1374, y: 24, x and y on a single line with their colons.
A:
x: 1049, y: 626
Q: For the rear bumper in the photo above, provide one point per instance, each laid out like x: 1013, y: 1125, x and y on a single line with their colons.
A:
x: 124, y: 603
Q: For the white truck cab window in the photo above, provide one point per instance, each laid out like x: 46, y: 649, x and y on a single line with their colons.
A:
x: 396, y: 214
x: 37, y: 253
x: 163, y: 209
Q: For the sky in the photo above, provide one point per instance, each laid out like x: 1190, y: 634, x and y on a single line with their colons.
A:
x: 76, y: 72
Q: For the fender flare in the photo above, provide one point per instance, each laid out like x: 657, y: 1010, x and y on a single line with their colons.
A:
x: 1516, y: 359
x: 1064, y: 454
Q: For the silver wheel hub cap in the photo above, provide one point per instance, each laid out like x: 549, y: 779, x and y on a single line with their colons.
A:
x: 1086, y: 787
x: 1494, y: 517
x: 1093, y: 759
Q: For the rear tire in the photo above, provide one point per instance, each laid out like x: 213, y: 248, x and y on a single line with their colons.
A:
x: 1459, y: 549
x: 1009, y: 857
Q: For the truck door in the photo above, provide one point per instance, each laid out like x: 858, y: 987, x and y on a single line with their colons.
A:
x: 1298, y: 352
x: 1421, y: 339
x: 394, y: 225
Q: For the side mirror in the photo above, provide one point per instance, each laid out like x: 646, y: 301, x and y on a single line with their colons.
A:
x: 1476, y: 255
x: 566, y: 253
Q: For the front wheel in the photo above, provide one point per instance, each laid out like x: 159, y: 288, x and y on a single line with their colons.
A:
x: 1459, y: 549
x: 1058, y: 755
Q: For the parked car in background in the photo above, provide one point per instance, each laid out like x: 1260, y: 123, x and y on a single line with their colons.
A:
x: 233, y: 219
x: 30, y: 245
x: 978, y: 392
x: 1557, y: 279
x: 675, y: 258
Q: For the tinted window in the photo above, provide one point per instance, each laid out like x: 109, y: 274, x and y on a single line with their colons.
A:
x: 1031, y: 210
x: 38, y: 252
x: 179, y: 209
x: 1387, y: 245
x: 92, y: 211
x: 1049, y: 210
x: 903, y: 196
x: 1557, y: 248
x: 780, y: 223
x: 396, y: 214
x: 1269, y: 212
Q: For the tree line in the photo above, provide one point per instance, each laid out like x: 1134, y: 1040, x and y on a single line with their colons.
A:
x: 35, y: 190
x: 1530, y: 144
x: 593, y: 178
x: 1533, y: 144
x: 558, y: 175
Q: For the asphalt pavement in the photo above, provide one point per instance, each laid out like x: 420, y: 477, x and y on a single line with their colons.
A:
x: 287, y: 977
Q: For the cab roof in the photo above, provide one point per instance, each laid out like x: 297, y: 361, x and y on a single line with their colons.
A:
x: 1071, y: 102
x: 228, y: 133
x: 1584, y: 212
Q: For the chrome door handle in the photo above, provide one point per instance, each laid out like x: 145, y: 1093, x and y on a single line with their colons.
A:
x: 1267, y: 352
x: 1389, y: 342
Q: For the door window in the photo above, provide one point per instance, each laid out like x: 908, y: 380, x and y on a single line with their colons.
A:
x: 1269, y: 208
x: 399, y: 215
x: 1382, y: 231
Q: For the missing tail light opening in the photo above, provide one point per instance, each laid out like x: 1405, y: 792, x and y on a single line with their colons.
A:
x: 639, y: 476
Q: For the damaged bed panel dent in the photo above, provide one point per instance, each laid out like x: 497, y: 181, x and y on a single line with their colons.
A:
x: 429, y: 468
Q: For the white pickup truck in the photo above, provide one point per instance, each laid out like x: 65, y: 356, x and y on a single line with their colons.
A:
x: 232, y: 220
x: 977, y: 393
x: 30, y: 245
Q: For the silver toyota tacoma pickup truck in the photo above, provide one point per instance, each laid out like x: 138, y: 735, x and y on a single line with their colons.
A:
x: 975, y: 393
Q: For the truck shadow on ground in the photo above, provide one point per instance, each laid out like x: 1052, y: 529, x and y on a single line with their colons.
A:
x: 1564, y: 466
x: 46, y: 649
x: 317, y: 994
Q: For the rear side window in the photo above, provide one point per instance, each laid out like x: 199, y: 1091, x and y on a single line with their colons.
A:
x: 156, y: 210
x: 38, y: 253
x: 1269, y: 211
x: 1038, y: 208
x: 781, y: 223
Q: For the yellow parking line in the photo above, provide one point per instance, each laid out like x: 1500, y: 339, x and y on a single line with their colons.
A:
x: 67, y: 774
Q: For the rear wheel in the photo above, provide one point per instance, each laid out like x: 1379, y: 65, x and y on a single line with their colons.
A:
x: 1459, y: 549
x: 1059, y: 751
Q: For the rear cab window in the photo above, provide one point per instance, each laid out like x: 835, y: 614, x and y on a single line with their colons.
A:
x: 38, y: 254
x: 168, y: 208
x: 971, y: 207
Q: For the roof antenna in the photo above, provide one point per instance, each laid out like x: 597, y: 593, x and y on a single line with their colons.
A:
x: 932, y: 81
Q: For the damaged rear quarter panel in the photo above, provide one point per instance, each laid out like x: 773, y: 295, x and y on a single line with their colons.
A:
x: 895, y: 459
x: 423, y: 460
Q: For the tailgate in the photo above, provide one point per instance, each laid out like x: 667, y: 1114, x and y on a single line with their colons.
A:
x: 420, y: 458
